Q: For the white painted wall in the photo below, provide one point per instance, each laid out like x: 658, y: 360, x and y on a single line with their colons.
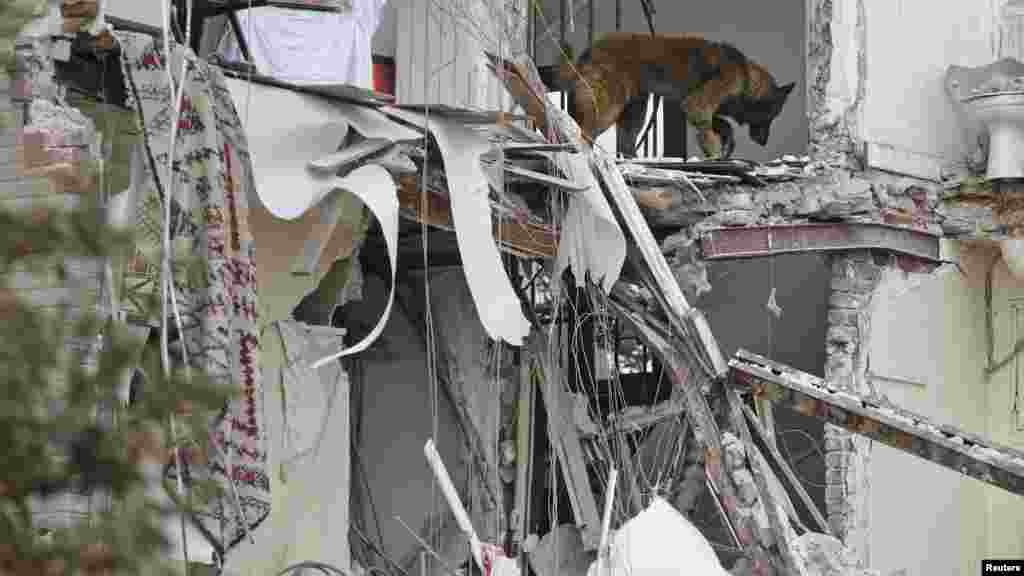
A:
x: 927, y: 354
x: 141, y: 11
x: 909, y: 46
x: 445, y: 39
x: 1006, y: 417
x: 148, y: 12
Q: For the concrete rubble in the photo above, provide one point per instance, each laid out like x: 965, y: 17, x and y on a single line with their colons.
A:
x: 823, y: 555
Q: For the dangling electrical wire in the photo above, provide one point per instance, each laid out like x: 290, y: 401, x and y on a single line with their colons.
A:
x: 165, y: 260
x: 428, y: 77
x: 496, y: 393
x: 167, y: 288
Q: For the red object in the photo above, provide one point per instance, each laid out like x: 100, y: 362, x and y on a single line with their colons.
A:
x: 747, y: 241
x: 384, y: 75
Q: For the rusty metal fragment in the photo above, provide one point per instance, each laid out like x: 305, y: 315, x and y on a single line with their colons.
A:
x: 741, y: 242
x: 946, y: 446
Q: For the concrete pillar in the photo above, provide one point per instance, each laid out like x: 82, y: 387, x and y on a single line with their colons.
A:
x: 847, y: 493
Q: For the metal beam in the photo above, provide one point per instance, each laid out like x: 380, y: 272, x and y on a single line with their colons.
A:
x: 946, y: 446
x: 637, y: 418
x: 565, y: 442
x: 749, y: 241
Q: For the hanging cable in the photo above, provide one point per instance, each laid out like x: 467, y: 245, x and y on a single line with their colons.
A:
x: 165, y: 264
x: 167, y: 288
x: 428, y: 77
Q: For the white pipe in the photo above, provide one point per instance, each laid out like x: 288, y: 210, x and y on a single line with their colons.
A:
x: 606, y: 520
x: 461, y: 516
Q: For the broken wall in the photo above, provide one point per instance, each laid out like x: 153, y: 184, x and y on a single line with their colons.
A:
x: 926, y: 353
x: 909, y: 121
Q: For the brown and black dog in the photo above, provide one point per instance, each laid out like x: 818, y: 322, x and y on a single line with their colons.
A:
x: 612, y: 81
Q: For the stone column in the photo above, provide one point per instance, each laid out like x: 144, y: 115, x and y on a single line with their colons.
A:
x: 47, y: 151
x: 855, y: 277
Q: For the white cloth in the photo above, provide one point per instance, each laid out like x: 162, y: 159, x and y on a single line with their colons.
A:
x: 659, y: 542
x: 310, y: 46
x: 307, y: 421
x: 308, y: 394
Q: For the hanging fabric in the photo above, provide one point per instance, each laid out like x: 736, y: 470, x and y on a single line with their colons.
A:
x: 307, y: 397
x: 309, y: 45
x: 217, y: 292
x: 309, y: 439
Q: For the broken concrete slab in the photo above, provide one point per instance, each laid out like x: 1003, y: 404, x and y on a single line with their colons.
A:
x: 823, y: 555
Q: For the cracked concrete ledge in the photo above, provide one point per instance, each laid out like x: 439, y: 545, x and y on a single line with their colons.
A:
x: 836, y: 187
x: 972, y: 209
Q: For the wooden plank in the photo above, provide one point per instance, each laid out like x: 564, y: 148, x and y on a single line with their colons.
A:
x: 946, y: 446
x: 526, y: 148
x: 524, y: 453
x: 542, y: 178
x: 523, y: 238
x: 629, y: 478
x: 566, y: 442
x: 640, y: 173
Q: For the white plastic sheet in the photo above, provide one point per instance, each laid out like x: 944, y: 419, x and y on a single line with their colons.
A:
x: 469, y: 193
x: 375, y: 187
x: 591, y: 240
x: 285, y: 131
x: 659, y: 542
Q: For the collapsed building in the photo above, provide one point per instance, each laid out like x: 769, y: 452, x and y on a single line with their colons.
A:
x: 551, y: 319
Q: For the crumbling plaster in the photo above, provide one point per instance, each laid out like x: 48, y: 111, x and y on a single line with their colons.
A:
x: 836, y: 76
